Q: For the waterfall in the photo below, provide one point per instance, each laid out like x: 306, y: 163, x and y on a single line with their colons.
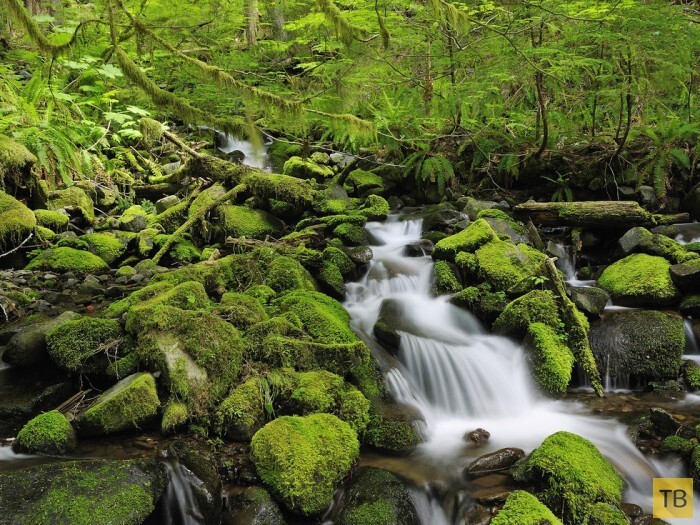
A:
x: 180, y: 505
x: 461, y: 378
x: 253, y: 155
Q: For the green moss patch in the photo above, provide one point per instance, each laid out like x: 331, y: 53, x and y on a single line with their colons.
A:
x: 537, y: 306
x: 105, y: 245
x: 242, y: 221
x: 75, y: 345
x: 72, y: 198
x: 470, y: 239
x: 505, y: 265
x: 53, y: 220
x: 16, y: 221
x: 306, y: 169
x: 48, y: 433
x: 64, y: 259
x: 640, y: 280
x: 552, y: 360
x: 522, y: 508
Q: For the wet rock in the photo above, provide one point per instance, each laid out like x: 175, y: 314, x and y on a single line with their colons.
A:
x: 435, y: 217
x: 253, y: 506
x: 371, y: 492
x: 589, y: 299
x: 360, y: 255
x: 419, y: 248
x: 664, y: 423
x: 647, y: 196
x: 235, y: 465
x: 502, y: 459
x: 91, y: 285
x: 686, y: 276
x: 478, y: 437
x: 641, y: 240
x: 646, y: 343
x: 631, y: 510
x: 166, y: 203
x: 82, y: 492
x: 472, y: 206
x: 391, y: 320
x: 28, y: 346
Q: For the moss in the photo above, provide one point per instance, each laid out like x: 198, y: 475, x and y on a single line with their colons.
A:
x: 444, y: 279
x: 552, y: 360
x: 360, y: 182
x: 182, y: 251
x: 242, y: 413
x: 537, y: 306
x: 375, y: 208
x: 505, y: 265
x: 522, y: 508
x: 391, y: 435
x: 606, y: 514
x: 332, y: 278
x: 468, y: 263
x: 186, y: 296
x: 572, y: 475
x: 642, y: 240
x: 306, y: 169
x: 281, y: 151
x: 242, y: 311
x: 14, y: 158
x: 474, y: 236
x: 127, y: 405
x: 640, y: 280
x: 54, y: 220
x: 172, y: 218
x: 119, y: 308
x: 16, y: 221
x: 302, y: 459
x: 83, y: 492
x: 291, y: 190
x: 339, y: 258
x: 72, y: 198
x: 206, y: 198
x: 48, y: 433
x: 330, y: 206
x: 677, y: 445
x: 125, y: 271
x: 123, y: 366
x: 68, y: 260
x: 175, y: 416
x: 134, y: 219
x: 105, y: 245
x: 242, y: 221
x: 44, y: 234
x: 263, y: 293
x: 375, y: 513
x: 351, y: 234
x: 691, y: 374
x: 73, y: 343
x: 355, y: 409
x: 146, y: 241
x: 285, y: 273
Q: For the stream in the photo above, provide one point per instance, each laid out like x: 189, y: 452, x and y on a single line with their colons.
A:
x: 462, y: 378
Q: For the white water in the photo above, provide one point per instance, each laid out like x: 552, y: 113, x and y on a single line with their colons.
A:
x: 462, y: 378
x: 254, y: 155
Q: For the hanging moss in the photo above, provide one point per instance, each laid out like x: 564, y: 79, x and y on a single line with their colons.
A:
x: 16, y: 222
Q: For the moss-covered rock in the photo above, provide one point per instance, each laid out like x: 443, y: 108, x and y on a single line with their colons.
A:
x: 83, y: 344
x: 16, y: 222
x: 302, y: 459
x: 105, y: 245
x: 361, y: 182
x: 285, y: 273
x: 339, y: 258
x: 134, y: 219
x: 606, y: 514
x: 253, y: 506
x: 171, y: 219
x: 646, y: 343
x: 537, y: 306
x: 444, y: 279
x: 504, y: 225
x: 571, y: 475
x: 468, y: 240
x: 15, y: 162
x: 505, y: 265
x: 83, y: 492
x: 677, y: 445
x: 72, y: 200
x: 241, y: 310
x: 375, y: 208
x: 552, y: 361
x: 640, y: 280
x: 393, y: 428
x: 242, y: 413
x: 128, y: 405
x: 242, y: 221
x: 641, y: 240
x: 486, y: 305
x: 351, y: 234
x: 306, y: 169
x: 175, y: 415
x: 48, y: 433
x: 64, y: 259
x: 691, y: 374
x: 376, y: 497
x: 331, y: 279
x: 125, y: 271
x: 54, y: 220
x: 522, y: 508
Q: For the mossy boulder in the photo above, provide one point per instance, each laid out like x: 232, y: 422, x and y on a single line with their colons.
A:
x: 537, y: 306
x: 376, y: 497
x: 285, y: 274
x: 686, y: 276
x: 15, y: 162
x: 503, y: 224
x: 16, y: 222
x: 552, y: 360
x: 64, y: 259
x: 134, y: 219
x: 351, y: 234
x: 393, y: 428
x: 361, y: 182
x: 306, y: 169
x: 171, y: 219
x: 445, y: 281
x: 571, y: 475
x: 486, y: 305
x: 83, y: 492
x: 242, y: 221
x: 48, y: 433
x: 27, y: 347
x: 640, y: 280
x: 241, y: 310
x: 175, y: 415
x: 74, y: 201
x: 641, y: 240
x: 82, y: 345
x: 691, y: 374
x: 303, y: 459
x: 128, y: 405
x: 470, y: 239
x: 54, y: 220
x: 645, y: 343
x: 253, y: 506
x: 522, y: 508
x: 331, y: 279
x: 107, y: 246
x: 375, y: 208
x: 506, y: 266
x: 340, y: 259
x: 242, y: 413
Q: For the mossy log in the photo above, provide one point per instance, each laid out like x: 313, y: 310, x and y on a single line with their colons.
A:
x: 622, y: 214
x: 577, y: 332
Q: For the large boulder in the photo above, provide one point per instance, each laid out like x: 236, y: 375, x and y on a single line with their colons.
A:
x: 16, y: 222
x: 253, y: 506
x: 82, y: 492
x: 641, y: 240
x: 128, y: 405
x: 686, y: 276
x: 640, y: 280
x: 503, y: 224
x: 376, y: 496
x: 28, y: 346
x: 303, y: 459
x: 82, y: 344
x: 48, y: 433
x: 65, y: 259
x: 646, y: 343
x: 571, y: 475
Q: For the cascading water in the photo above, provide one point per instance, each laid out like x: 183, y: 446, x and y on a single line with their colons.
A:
x: 462, y: 378
x: 254, y: 155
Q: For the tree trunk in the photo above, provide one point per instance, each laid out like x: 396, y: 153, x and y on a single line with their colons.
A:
x: 601, y: 214
x: 252, y: 15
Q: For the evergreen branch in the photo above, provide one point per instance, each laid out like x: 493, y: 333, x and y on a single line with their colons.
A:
x: 214, y: 73
x: 355, y: 124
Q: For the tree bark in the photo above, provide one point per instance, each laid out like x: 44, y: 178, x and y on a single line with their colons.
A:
x: 251, y: 15
x: 602, y: 214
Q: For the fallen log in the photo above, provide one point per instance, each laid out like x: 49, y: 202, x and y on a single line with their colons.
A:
x: 620, y: 214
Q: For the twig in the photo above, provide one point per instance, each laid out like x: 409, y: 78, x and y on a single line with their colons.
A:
x: 25, y: 241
